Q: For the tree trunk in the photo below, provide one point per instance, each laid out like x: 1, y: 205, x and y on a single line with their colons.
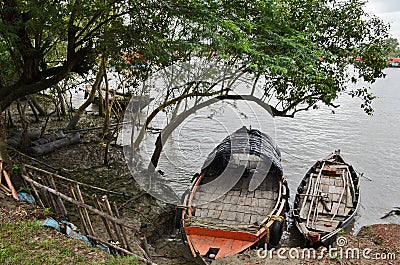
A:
x: 26, y: 140
x: 75, y: 119
x: 3, y: 140
x: 61, y: 100
x: 35, y: 103
x: 106, y: 134
x: 163, y: 106
x: 33, y: 110
x: 166, y: 132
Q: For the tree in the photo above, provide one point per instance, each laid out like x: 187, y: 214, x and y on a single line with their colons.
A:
x: 393, y: 47
x: 302, y: 51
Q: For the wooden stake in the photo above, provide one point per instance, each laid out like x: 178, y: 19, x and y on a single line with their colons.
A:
x: 120, y: 249
x: 58, y: 199
x: 10, y: 185
x: 85, y: 213
x: 109, y: 210
x: 37, y: 195
x: 122, y: 228
x: 53, y: 197
x: 49, y: 196
x: 144, y: 246
x: 78, y: 210
x: 5, y: 189
x: 106, y: 224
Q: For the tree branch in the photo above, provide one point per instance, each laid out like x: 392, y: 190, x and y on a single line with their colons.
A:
x: 20, y: 89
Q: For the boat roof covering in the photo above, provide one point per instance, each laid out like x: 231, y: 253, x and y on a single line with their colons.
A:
x: 245, y: 141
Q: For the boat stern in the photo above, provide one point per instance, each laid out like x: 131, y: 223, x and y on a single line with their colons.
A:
x: 212, y: 244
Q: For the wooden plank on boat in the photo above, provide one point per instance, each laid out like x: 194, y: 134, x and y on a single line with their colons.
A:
x: 224, y: 215
x: 226, y: 207
x: 334, y: 189
x: 233, y: 208
x: 234, y: 192
x: 248, y: 201
x: 338, y: 182
x: 304, y: 211
x: 262, y: 202
x: 335, y: 197
x: 246, y: 218
x: 217, y: 214
x: 255, y: 202
x: 231, y: 216
x: 320, y: 208
x: 234, y: 199
x: 240, y: 217
x: 325, y: 188
x: 335, y: 207
x: 331, y: 182
x: 242, y: 200
x: 204, y: 213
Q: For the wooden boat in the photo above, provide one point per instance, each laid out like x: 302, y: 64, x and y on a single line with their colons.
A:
x: 394, y: 62
x: 326, y: 200
x: 238, y: 200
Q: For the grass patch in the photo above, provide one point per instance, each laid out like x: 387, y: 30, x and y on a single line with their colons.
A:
x: 27, y: 242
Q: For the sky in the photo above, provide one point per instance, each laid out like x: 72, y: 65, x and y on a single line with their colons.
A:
x: 388, y: 11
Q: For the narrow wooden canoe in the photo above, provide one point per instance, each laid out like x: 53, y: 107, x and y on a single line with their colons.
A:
x: 238, y: 200
x: 326, y: 200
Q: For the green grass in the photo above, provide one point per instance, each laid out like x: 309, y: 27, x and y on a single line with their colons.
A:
x: 27, y: 242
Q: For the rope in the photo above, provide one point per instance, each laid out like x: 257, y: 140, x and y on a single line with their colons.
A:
x: 275, y: 218
x: 267, y: 235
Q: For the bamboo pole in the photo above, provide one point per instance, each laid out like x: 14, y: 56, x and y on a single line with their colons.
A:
x: 76, y: 202
x: 6, y: 190
x: 36, y: 192
x: 341, y: 195
x: 126, y: 242
x: 58, y: 199
x: 144, y: 247
x: 109, y: 210
x: 120, y: 249
x: 74, y: 181
x: 106, y: 224
x: 37, y: 195
x: 31, y: 158
x: 50, y: 196
x: 10, y: 185
x: 78, y: 210
x: 85, y: 212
